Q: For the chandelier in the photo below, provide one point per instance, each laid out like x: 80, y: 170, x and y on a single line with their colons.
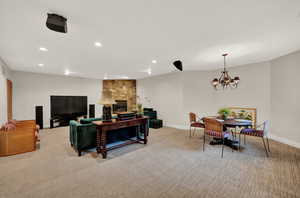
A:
x: 225, y: 80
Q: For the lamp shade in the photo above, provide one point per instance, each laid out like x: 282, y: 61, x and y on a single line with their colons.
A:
x: 106, y: 98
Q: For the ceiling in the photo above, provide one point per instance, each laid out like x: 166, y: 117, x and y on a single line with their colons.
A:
x: 135, y: 32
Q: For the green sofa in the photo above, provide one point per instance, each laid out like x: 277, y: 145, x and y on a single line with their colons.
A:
x: 83, y: 134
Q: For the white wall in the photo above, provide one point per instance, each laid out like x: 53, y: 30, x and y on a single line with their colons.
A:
x: 197, y: 95
x: 30, y: 90
x: 165, y: 95
x: 272, y: 87
x: 285, y: 99
x: 4, y: 75
x: 175, y: 95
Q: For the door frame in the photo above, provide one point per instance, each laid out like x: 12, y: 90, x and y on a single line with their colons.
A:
x: 9, y: 89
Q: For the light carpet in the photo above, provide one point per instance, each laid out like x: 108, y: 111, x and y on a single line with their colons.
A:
x: 171, y: 165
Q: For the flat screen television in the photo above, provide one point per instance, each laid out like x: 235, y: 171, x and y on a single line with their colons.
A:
x: 68, y: 106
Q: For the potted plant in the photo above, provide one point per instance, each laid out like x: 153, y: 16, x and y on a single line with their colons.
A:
x: 224, y: 113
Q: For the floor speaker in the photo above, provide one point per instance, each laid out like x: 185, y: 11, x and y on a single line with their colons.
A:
x: 91, y: 111
x: 39, y: 116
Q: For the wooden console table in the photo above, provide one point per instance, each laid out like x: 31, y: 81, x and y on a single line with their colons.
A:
x: 140, y: 124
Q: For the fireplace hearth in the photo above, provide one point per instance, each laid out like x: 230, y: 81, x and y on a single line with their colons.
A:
x: 120, y: 106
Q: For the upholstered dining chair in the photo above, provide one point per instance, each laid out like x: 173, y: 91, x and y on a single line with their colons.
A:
x: 194, y: 124
x: 214, y: 128
x: 261, y: 133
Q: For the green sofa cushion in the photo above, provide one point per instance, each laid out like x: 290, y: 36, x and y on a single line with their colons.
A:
x: 90, y: 120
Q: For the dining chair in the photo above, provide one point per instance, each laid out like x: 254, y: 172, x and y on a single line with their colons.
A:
x: 214, y: 128
x: 194, y: 124
x: 261, y: 133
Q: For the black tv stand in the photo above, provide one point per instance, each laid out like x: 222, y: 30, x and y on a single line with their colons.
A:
x: 60, y: 121
x: 63, y: 120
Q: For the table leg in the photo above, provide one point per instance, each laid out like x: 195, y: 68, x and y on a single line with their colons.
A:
x: 235, y: 131
x: 227, y: 142
x: 232, y: 134
x: 137, y: 130
x: 98, y: 140
x: 146, y: 131
x: 147, y: 128
x: 239, y: 141
x: 101, y: 142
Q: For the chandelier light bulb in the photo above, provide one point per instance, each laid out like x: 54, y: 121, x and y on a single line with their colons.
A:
x: 215, y: 82
x: 226, y: 80
x: 236, y: 79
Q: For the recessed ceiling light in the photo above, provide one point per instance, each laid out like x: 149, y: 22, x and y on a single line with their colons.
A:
x: 43, y: 49
x: 98, y: 44
x: 41, y: 65
x: 154, y: 61
x: 149, y: 71
x: 67, y: 72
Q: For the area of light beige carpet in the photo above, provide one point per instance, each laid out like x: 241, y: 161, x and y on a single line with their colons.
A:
x: 171, y: 165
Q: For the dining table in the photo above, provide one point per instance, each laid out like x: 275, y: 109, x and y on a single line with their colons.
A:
x: 233, y: 124
x: 237, y: 123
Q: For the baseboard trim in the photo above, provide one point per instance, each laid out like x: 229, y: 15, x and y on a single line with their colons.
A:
x: 284, y: 141
x: 183, y: 127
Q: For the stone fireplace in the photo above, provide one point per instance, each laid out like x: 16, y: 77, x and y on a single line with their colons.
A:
x: 123, y: 92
